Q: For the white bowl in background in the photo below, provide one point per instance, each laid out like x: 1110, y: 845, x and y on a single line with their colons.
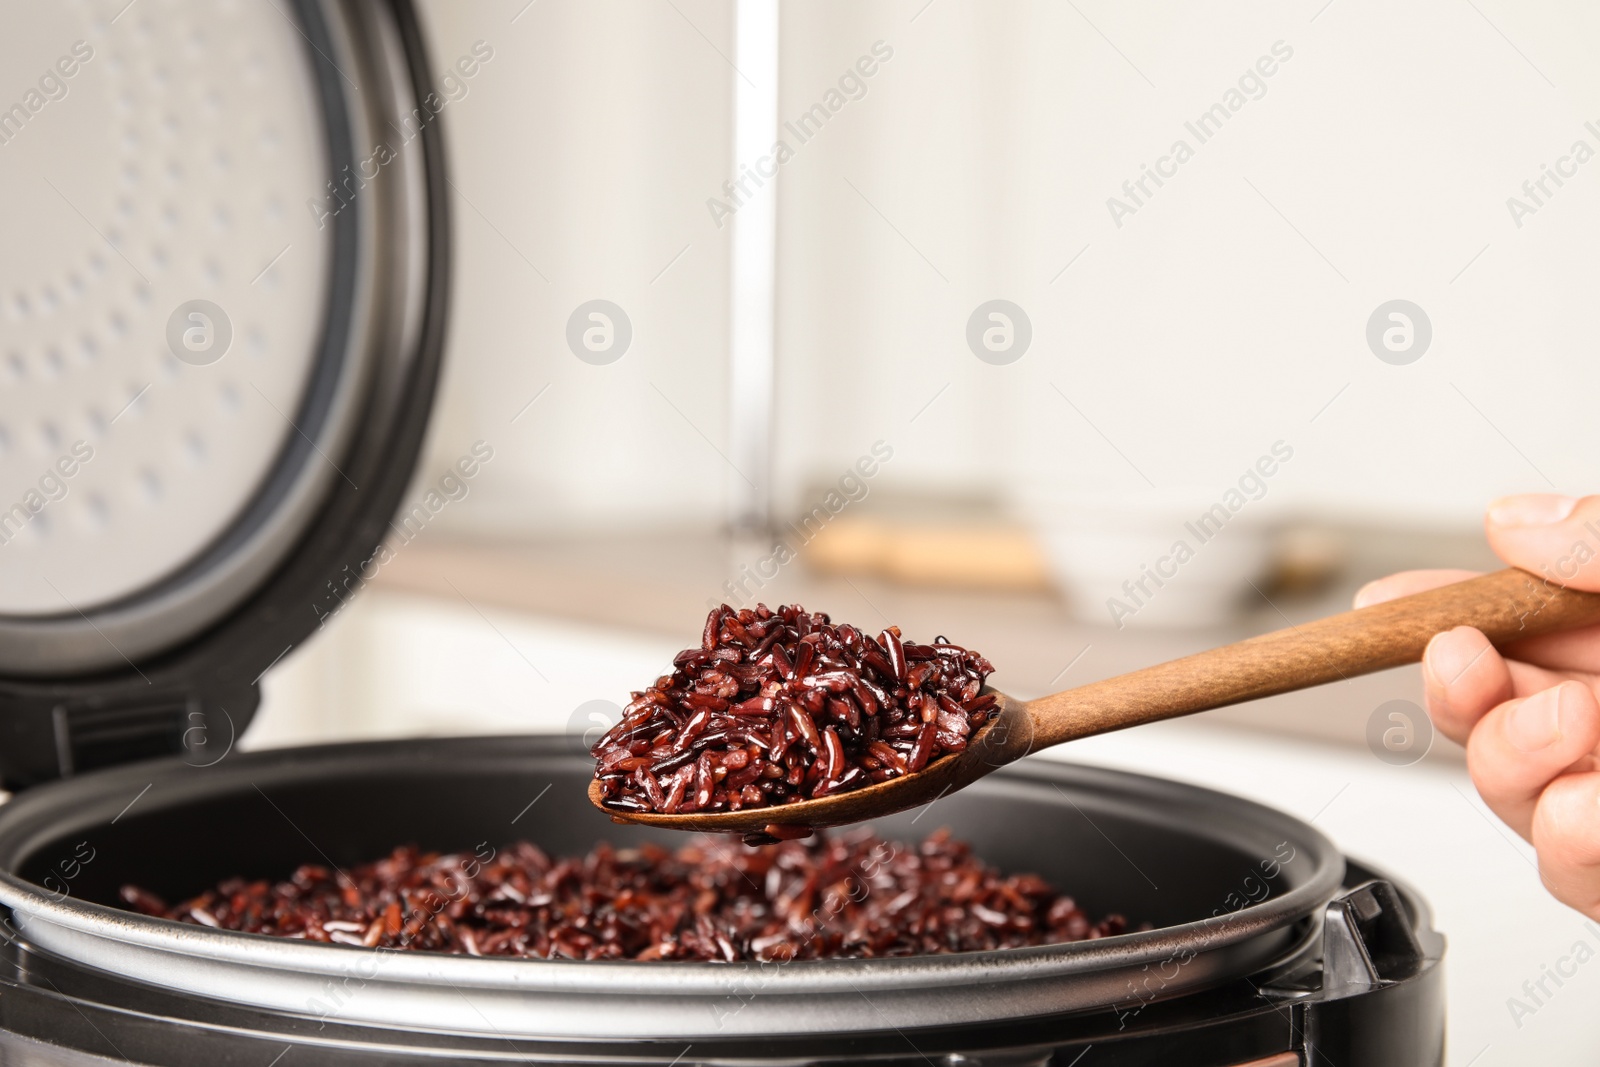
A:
x: 1148, y: 560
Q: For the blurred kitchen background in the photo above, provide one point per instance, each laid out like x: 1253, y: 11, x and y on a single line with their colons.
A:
x: 979, y: 345
x: 1175, y: 340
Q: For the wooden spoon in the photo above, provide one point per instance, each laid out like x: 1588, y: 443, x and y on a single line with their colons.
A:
x: 1508, y: 606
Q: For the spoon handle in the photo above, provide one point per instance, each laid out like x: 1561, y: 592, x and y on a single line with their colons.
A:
x: 1507, y: 606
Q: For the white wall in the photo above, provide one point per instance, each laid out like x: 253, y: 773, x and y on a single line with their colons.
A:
x: 1205, y: 327
x: 1222, y: 316
x: 583, y: 153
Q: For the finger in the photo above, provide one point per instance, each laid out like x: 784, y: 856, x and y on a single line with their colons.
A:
x: 1575, y: 650
x: 1523, y: 745
x: 1566, y: 833
x: 1462, y: 678
x: 1407, y: 582
x: 1528, y: 679
x: 1557, y: 537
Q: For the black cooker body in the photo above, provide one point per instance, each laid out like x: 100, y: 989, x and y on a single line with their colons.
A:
x: 1270, y: 948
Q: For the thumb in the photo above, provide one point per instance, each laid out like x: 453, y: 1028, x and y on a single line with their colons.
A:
x: 1557, y: 537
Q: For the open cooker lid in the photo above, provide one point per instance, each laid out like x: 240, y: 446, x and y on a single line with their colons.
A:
x: 222, y: 321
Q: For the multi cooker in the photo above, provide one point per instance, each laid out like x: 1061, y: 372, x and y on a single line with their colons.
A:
x: 268, y: 458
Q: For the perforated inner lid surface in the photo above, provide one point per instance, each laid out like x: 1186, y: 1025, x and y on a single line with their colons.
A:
x: 172, y: 164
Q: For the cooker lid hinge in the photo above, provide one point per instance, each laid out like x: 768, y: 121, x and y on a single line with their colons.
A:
x: 93, y: 736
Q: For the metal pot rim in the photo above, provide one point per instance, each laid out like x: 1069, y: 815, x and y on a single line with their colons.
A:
x: 1208, y: 813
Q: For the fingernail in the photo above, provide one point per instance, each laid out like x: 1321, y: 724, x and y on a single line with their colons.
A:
x: 1448, y: 657
x: 1536, y: 722
x: 1365, y: 594
x: 1531, y: 509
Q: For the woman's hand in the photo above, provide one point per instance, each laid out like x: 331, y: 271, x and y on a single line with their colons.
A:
x: 1530, y: 719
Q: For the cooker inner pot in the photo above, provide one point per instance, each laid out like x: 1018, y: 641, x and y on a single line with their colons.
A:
x: 1165, y: 867
x: 1156, y: 851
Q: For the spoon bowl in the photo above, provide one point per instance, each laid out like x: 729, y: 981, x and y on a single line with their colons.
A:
x: 1507, y: 606
x: 1004, y: 739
